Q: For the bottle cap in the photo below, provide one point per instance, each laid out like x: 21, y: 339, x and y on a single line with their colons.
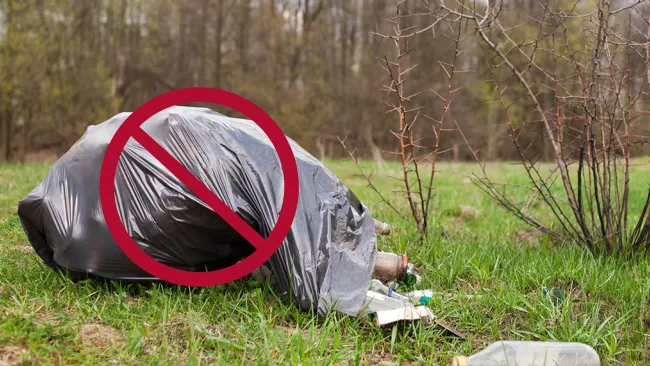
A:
x: 459, y: 361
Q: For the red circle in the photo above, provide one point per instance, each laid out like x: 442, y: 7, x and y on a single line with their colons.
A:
x: 131, y: 126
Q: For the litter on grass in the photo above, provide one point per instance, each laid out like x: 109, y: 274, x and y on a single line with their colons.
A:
x: 325, y: 263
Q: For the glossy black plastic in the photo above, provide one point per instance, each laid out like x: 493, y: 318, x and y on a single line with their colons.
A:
x: 325, y: 262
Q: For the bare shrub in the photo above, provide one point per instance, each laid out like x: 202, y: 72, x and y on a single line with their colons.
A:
x: 418, y: 158
x: 579, y: 75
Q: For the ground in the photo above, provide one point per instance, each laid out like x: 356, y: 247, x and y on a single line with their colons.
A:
x: 487, y: 268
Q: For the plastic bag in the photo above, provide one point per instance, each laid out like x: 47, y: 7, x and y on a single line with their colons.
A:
x: 325, y: 262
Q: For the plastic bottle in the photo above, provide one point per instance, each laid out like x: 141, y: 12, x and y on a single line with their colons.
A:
x: 422, y: 297
x: 505, y: 353
x: 377, y: 286
x: 378, y: 302
x: 390, y: 266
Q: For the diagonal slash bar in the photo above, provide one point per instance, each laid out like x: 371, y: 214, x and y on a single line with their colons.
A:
x: 200, y: 189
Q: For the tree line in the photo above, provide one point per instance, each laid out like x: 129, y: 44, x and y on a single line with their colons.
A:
x: 316, y: 66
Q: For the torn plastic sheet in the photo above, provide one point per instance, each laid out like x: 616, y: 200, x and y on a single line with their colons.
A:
x: 325, y: 262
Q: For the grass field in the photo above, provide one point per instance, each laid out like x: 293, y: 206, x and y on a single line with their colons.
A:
x: 484, y: 253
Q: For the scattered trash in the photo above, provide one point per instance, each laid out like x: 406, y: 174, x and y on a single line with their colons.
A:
x: 411, y: 279
x: 377, y: 286
x: 388, y: 306
x: 376, y: 301
x: 532, y: 353
x: 406, y: 313
x: 387, y: 310
x: 325, y: 262
x: 422, y: 297
x: 396, y: 307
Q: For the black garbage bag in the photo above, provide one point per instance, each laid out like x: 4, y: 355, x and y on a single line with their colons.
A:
x: 325, y: 262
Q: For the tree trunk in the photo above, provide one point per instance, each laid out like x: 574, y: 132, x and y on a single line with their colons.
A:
x: 202, y: 39
x: 491, y: 134
x: 218, y: 45
x: 6, y: 114
x: 182, y: 66
x: 6, y: 131
x: 120, y: 59
x: 25, y: 134
x: 366, y: 132
x: 242, y: 34
x: 321, y: 148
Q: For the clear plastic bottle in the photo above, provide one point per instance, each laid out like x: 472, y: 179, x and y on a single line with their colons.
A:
x: 377, y: 286
x: 422, y: 297
x: 376, y: 301
x: 506, y: 353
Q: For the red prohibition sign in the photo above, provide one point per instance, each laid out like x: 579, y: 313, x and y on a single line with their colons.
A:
x: 131, y: 128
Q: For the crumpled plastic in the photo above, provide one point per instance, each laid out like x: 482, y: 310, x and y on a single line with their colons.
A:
x: 325, y: 263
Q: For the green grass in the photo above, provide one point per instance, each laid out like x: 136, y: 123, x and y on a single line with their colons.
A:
x: 47, y: 319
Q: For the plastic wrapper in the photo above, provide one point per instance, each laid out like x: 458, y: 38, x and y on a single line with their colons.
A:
x: 325, y: 263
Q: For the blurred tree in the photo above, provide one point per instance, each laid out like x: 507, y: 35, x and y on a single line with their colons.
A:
x: 313, y: 65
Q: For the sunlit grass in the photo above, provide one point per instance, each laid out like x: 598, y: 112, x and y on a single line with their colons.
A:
x: 487, y: 270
